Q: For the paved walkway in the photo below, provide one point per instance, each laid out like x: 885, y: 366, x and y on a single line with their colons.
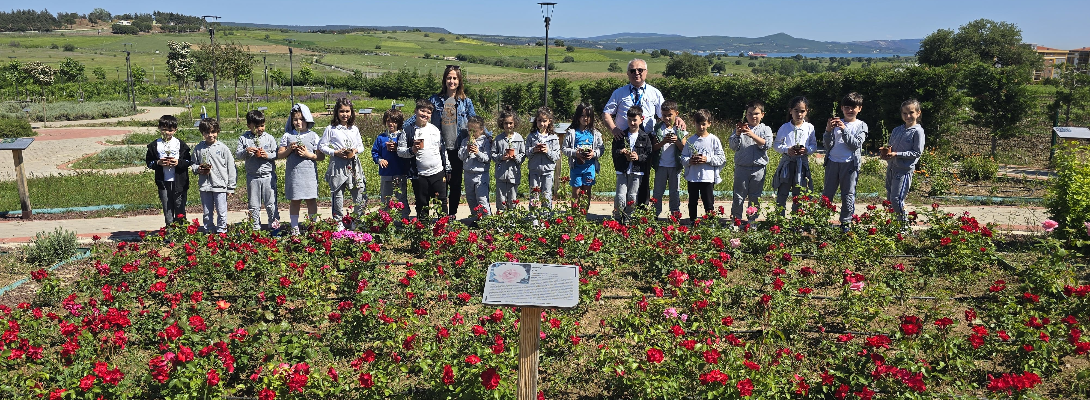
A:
x: 148, y: 114
x: 15, y: 231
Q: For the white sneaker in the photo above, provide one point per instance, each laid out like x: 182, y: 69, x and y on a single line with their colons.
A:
x: 340, y: 226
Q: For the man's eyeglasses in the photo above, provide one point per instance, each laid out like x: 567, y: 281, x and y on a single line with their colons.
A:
x: 637, y: 70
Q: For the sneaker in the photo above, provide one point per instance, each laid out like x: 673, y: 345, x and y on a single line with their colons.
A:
x: 340, y: 226
x: 295, y: 231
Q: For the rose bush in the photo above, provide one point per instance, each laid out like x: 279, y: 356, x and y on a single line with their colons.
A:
x: 786, y: 309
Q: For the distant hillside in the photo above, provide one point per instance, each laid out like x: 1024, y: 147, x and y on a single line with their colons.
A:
x: 315, y: 28
x: 777, y: 43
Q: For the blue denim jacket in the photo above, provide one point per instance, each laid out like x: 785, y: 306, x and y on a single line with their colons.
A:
x: 465, y: 110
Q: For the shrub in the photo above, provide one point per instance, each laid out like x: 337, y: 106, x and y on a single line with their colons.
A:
x: 69, y: 47
x: 119, y: 156
x: 124, y: 29
x: 51, y: 247
x: 54, y: 46
x: 1068, y: 199
x: 568, y: 59
x: 872, y: 166
x: 978, y: 168
x: 69, y: 110
x: 935, y: 170
x: 15, y: 128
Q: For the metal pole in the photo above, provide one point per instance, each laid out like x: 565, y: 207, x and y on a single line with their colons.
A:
x: 291, y: 72
x: 545, y: 101
x: 128, y: 68
x: 265, y: 60
x: 215, y: 80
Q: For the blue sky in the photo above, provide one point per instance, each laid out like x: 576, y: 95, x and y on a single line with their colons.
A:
x: 1057, y: 23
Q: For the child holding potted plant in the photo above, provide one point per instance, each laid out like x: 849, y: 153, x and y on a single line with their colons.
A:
x: 903, y: 151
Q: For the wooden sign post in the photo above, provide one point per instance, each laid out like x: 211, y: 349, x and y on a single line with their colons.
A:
x: 17, y: 146
x: 531, y: 287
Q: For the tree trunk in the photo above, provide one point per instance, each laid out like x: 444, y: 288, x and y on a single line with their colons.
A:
x: 995, y: 143
x: 236, y: 100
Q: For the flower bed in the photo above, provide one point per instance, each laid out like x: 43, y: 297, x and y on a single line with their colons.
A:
x: 791, y: 308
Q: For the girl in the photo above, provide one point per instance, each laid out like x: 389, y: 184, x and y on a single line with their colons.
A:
x: 341, y: 141
x: 543, y: 156
x: 508, y: 151
x: 703, y: 157
x: 795, y: 141
x: 474, y: 152
x: 583, y: 145
x: 300, y: 146
x: 452, y: 110
x: 905, y: 147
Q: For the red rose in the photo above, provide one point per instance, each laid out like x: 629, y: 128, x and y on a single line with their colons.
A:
x: 745, y: 387
x: 490, y: 379
x: 472, y: 359
x: 366, y: 381
x: 87, y: 383
x: 655, y: 356
x: 711, y: 356
x: 448, y: 375
x: 266, y: 394
x: 213, y: 377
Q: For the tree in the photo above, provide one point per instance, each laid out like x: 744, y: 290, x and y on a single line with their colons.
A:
x: 124, y: 29
x: 99, y: 15
x: 139, y: 74
x: 71, y: 70
x: 99, y: 73
x: 741, y: 54
x: 619, y: 48
x: 1000, y: 98
x: 613, y: 67
x: 686, y: 65
x: 568, y: 59
x: 559, y: 43
x: 719, y: 67
x: 180, y: 63
x: 539, y: 43
x: 570, y: 48
x: 983, y: 41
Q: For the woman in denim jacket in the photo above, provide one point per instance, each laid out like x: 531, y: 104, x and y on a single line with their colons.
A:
x: 452, y: 111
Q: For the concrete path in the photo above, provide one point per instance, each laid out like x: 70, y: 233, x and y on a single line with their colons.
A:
x: 16, y: 231
x: 146, y: 114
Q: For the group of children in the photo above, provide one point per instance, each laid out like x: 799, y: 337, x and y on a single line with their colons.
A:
x: 415, y: 153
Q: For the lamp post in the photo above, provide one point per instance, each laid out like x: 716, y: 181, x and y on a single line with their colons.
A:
x: 128, y: 74
x: 212, y: 42
x: 547, y: 12
x: 291, y: 72
x: 265, y: 62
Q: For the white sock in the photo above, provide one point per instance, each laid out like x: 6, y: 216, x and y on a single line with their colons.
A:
x: 295, y: 220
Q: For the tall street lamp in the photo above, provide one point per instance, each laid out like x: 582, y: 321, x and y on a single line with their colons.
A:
x: 128, y: 74
x: 212, y: 42
x: 547, y: 12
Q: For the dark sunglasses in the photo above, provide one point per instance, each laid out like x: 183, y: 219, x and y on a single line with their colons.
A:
x: 637, y: 70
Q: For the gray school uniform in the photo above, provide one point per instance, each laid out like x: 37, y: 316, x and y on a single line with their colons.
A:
x: 750, y: 163
x: 541, y: 167
x: 260, y: 176
x: 793, y: 172
x: 214, y: 187
x: 475, y: 173
x: 508, y: 173
x: 301, y: 174
x: 842, y: 161
x: 344, y: 174
x: 668, y: 167
x: 908, y: 143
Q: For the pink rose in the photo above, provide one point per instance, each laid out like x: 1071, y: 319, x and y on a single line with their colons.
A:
x: 751, y: 210
x: 510, y: 274
x: 1049, y: 225
x: 1087, y: 228
x: 857, y: 286
x: 735, y: 243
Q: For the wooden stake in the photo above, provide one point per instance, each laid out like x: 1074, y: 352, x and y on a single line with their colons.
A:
x: 529, y: 331
x: 20, y: 183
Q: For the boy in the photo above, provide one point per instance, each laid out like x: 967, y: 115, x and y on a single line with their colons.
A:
x: 258, y: 150
x: 216, y: 176
x: 631, y: 157
x: 843, y: 139
x: 906, y: 144
x: 474, y: 152
x: 391, y: 167
x: 429, y: 168
x: 750, y: 143
x: 666, y: 158
x: 170, y: 159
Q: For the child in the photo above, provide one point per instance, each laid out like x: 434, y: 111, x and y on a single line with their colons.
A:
x: 666, y: 158
x: 258, y: 150
x: 905, y: 147
x: 795, y: 140
x: 543, y: 156
x: 342, y: 143
x: 170, y: 159
x: 703, y: 156
x: 583, y: 146
x: 474, y: 152
x: 750, y: 143
x: 216, y: 176
x: 300, y: 146
x: 508, y: 149
x: 631, y: 157
x: 842, y: 139
x: 391, y: 167
x: 429, y: 168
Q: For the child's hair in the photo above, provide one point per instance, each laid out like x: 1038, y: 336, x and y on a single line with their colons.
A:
x: 700, y: 116
x: 912, y: 103
x: 669, y: 105
x: 547, y: 113
x: 425, y: 104
x: 475, y: 120
x: 581, y: 110
x: 756, y: 104
x: 460, y: 91
x: 795, y: 101
x: 507, y: 112
x: 343, y: 102
x: 853, y: 99
x: 393, y: 115
x: 255, y: 118
x: 634, y: 111
x: 168, y: 122
x: 209, y: 125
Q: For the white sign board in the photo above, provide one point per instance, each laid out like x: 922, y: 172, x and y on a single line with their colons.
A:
x: 532, y: 285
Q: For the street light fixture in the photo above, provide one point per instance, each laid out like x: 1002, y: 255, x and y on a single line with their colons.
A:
x: 265, y: 62
x: 547, y: 12
x: 212, y: 42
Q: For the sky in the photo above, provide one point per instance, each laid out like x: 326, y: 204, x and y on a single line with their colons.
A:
x: 1058, y: 23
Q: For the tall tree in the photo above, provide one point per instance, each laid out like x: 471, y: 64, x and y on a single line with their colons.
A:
x: 983, y: 41
x: 1000, y: 98
x: 686, y: 65
x: 180, y: 64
